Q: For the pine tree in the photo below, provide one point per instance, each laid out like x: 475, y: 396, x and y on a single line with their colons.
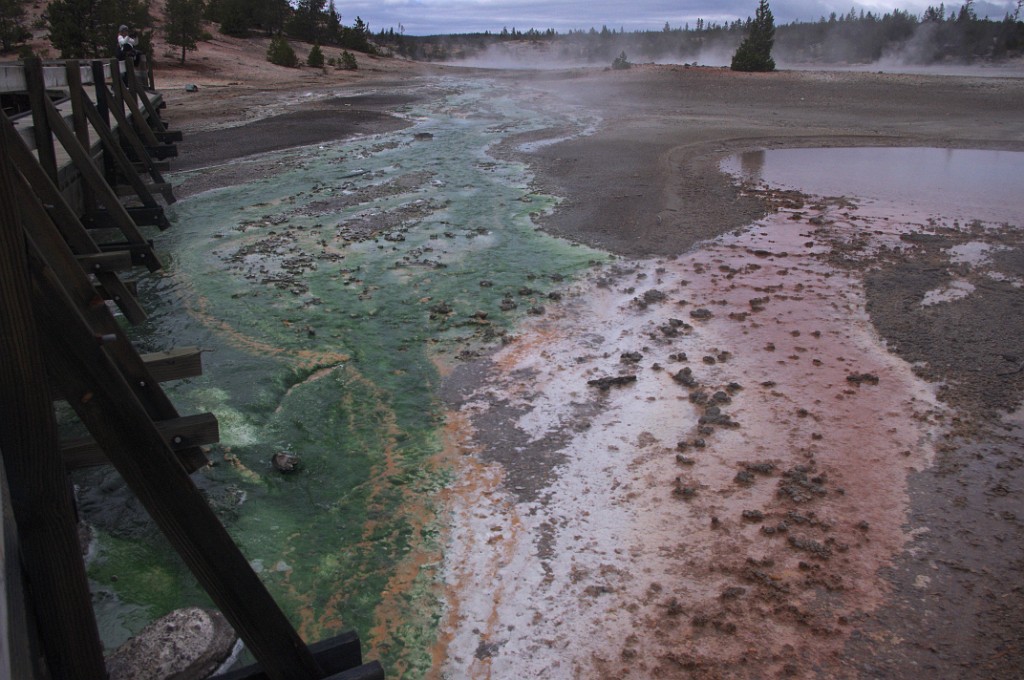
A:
x: 281, y: 53
x: 84, y: 29
x: 332, y: 28
x: 12, y: 24
x: 308, y: 20
x: 184, y: 24
x: 755, y: 52
x: 316, y: 56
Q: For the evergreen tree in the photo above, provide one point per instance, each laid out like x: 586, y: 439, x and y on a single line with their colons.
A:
x: 85, y: 29
x: 308, y: 21
x: 184, y: 24
x: 755, y: 52
x: 316, y: 57
x: 234, y: 16
x: 357, y: 37
x: 281, y: 53
x: 12, y: 24
x: 332, y: 29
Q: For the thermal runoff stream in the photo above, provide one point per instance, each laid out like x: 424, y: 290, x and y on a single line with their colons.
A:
x: 522, y: 457
x: 328, y: 297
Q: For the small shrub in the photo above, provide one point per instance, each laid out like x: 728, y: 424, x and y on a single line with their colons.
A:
x: 348, y: 61
x: 316, y: 57
x: 281, y: 53
x: 621, y: 62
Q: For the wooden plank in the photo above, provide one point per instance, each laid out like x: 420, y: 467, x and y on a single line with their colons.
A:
x: 159, y: 165
x: 106, y: 405
x: 40, y: 121
x: 56, y: 253
x: 169, y: 135
x: 76, y: 83
x: 80, y: 155
x: 138, y: 251
x: 138, y: 120
x: 105, y: 195
x: 336, y: 654
x: 99, y: 75
x: 40, y: 492
x: 67, y: 232
x: 141, y: 215
x: 175, y: 364
x: 127, y: 133
x: 151, y: 188
x: 130, y: 286
x: 163, y: 151
x: 15, y: 645
x: 180, y: 433
x: 370, y: 671
x: 152, y: 117
x: 114, y: 261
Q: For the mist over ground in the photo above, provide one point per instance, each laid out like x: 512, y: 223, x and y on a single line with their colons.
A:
x: 894, y: 40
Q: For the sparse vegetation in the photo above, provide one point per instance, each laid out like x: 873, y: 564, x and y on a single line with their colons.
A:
x: 621, y: 62
x: 347, y: 61
x: 281, y: 53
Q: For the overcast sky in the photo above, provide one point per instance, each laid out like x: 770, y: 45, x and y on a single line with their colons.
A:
x: 429, y: 17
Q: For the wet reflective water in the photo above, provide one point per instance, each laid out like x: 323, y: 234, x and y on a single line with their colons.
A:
x: 325, y: 296
x: 966, y: 183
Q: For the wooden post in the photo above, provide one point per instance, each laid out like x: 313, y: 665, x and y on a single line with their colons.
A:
x: 40, y: 491
x: 40, y: 124
x: 137, y: 119
x: 106, y: 405
x: 128, y: 133
x: 99, y: 83
x: 76, y: 93
x: 15, y: 645
x: 81, y: 157
x: 105, y: 195
x: 152, y: 117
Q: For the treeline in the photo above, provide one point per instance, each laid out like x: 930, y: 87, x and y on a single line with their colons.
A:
x: 854, y: 38
x: 85, y: 29
x: 313, y: 21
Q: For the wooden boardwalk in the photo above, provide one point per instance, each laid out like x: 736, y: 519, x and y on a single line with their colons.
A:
x: 82, y: 148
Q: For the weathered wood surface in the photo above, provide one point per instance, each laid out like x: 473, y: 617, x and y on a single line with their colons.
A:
x: 37, y: 79
x: 40, y: 492
x: 179, y: 433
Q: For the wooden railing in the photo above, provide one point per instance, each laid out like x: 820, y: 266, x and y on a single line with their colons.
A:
x: 92, y: 130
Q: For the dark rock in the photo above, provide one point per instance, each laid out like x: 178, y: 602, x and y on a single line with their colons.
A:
x: 612, y: 381
x: 285, y: 462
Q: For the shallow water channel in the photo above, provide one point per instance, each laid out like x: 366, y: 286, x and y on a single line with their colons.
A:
x: 328, y: 295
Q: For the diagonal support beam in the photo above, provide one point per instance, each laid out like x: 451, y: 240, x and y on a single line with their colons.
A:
x: 105, y: 403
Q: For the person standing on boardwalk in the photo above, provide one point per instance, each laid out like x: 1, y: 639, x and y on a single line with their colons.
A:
x: 126, y: 46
